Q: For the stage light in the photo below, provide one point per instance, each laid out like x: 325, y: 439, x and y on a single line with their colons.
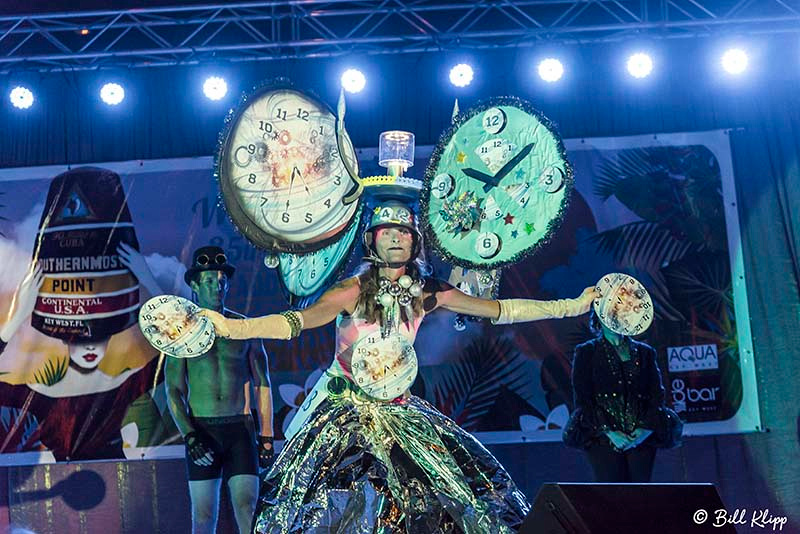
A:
x: 734, y: 61
x: 461, y: 75
x: 551, y: 70
x: 84, y: 31
x: 21, y: 97
x: 640, y: 65
x: 112, y: 94
x: 215, y: 88
x: 353, y: 80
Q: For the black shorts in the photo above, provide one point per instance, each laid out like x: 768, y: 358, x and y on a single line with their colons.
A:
x: 234, y: 442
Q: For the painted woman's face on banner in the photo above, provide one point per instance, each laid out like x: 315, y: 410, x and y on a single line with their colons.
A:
x: 87, y: 354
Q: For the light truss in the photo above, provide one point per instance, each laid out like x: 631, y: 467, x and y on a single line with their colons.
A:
x: 256, y: 31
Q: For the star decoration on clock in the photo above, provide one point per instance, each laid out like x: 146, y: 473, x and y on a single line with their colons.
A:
x: 509, y: 219
x: 514, y: 234
x: 520, y: 174
x: 461, y: 157
x: 529, y: 228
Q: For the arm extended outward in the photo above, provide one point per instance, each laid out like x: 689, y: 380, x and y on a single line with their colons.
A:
x: 286, y: 325
x: 509, y: 311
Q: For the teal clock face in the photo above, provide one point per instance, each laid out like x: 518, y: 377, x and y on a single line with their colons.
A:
x: 496, y: 187
x: 303, y: 276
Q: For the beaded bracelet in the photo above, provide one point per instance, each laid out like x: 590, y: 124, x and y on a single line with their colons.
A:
x: 295, y: 320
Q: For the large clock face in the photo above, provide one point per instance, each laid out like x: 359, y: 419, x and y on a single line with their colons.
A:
x: 384, y: 368
x: 286, y: 167
x: 496, y: 186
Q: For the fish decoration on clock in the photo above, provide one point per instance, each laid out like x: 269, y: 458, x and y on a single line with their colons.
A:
x: 497, y: 185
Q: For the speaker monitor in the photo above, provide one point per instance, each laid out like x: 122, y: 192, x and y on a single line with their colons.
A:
x: 624, y: 508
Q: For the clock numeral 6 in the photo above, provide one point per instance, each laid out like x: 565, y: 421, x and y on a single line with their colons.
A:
x: 285, y: 217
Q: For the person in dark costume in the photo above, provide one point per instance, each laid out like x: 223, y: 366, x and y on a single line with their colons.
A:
x: 368, y: 461
x: 620, y: 415
x: 210, y: 398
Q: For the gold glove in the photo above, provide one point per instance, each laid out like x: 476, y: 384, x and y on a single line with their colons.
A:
x: 285, y: 325
x: 524, y: 310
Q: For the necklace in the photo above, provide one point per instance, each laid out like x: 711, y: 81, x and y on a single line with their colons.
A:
x: 393, y: 294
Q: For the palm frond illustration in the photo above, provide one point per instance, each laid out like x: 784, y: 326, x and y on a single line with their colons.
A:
x: 647, y: 247
x: 473, y: 383
x: 20, y: 430
x: 720, y: 330
x: 701, y: 286
x: 679, y: 188
x: 52, y: 372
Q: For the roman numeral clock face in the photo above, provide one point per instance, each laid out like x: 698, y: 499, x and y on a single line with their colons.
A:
x: 496, y: 186
x: 286, y: 168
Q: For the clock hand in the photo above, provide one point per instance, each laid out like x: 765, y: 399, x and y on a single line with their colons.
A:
x: 478, y: 175
x: 300, y: 174
x: 291, y: 185
x: 505, y: 169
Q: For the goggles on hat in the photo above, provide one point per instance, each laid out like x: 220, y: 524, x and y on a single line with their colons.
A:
x: 205, y: 259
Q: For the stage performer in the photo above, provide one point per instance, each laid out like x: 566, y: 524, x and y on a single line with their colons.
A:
x: 368, y: 462
x: 210, y: 399
x: 620, y: 416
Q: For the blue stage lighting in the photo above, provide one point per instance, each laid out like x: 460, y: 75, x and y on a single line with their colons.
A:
x: 21, y: 97
x: 551, y: 70
x: 461, y: 75
x: 734, y: 61
x: 353, y: 81
x: 215, y: 88
x: 640, y: 65
x: 112, y: 94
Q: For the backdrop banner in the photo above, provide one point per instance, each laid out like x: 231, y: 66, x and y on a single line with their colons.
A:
x: 78, y: 382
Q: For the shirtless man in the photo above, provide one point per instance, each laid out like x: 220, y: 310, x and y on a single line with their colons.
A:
x: 210, y: 400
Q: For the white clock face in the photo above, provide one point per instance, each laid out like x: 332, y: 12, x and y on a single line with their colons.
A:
x: 283, y: 175
x: 173, y: 326
x: 442, y: 185
x: 624, y: 305
x: 487, y: 244
x: 495, y: 153
x: 494, y: 120
x: 384, y: 368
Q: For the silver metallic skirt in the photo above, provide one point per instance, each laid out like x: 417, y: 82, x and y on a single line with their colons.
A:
x: 362, y: 466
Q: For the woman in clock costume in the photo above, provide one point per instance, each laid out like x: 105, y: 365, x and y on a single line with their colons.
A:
x: 370, y: 457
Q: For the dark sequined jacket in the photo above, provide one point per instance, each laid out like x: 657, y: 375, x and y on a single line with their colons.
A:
x: 615, y: 395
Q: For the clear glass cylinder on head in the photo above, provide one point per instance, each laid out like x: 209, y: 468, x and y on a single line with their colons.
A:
x: 396, y: 151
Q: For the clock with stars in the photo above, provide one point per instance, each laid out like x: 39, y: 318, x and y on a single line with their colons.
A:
x: 497, y: 185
